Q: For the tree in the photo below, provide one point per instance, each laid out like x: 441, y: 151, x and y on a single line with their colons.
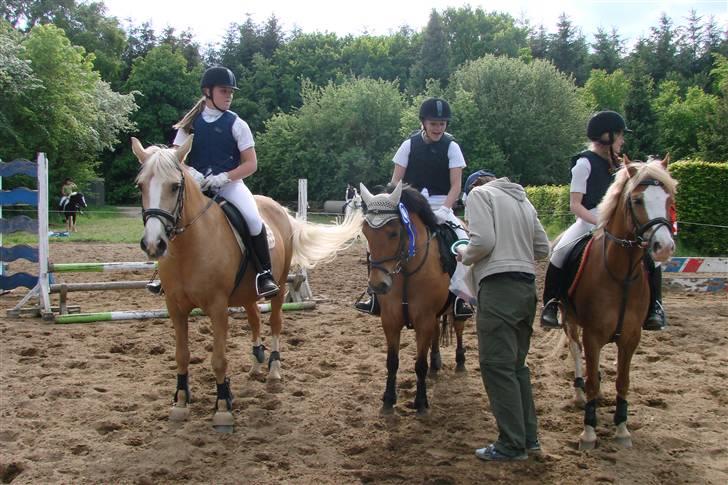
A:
x: 608, y: 49
x: 71, y: 114
x: 639, y: 114
x: 474, y: 33
x: 606, y: 91
x: 342, y: 133
x: 713, y: 141
x: 432, y: 62
x: 527, y: 114
x: 568, y: 50
x: 680, y: 120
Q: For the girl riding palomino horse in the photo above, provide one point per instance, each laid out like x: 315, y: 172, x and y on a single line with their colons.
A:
x: 222, y: 155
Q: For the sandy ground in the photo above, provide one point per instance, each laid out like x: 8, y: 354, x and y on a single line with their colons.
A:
x: 89, y: 403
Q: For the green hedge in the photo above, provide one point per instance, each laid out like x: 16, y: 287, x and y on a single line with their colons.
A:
x: 702, y: 198
x: 552, y: 204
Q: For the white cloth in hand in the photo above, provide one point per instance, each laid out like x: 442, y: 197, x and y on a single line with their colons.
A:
x: 443, y: 214
x: 214, y: 182
x: 196, y: 176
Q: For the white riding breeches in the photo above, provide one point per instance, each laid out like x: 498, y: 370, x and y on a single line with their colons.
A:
x: 574, y: 232
x: 238, y: 194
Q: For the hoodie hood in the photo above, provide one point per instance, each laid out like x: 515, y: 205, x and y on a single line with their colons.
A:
x: 510, y: 188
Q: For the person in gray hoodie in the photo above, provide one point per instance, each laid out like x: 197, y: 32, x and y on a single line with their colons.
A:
x: 506, y: 238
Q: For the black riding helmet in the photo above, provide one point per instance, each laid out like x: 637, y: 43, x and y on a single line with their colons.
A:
x: 218, y: 76
x: 435, y: 109
x: 605, y: 122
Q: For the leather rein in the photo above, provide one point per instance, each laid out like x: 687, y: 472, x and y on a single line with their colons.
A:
x: 639, y: 243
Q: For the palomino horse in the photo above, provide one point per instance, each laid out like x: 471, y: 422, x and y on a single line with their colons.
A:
x: 409, y: 281
x: 199, y: 259
x: 72, y: 206
x: 610, y: 300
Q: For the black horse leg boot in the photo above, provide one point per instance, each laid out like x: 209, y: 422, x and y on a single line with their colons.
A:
x: 656, y: 319
x: 265, y: 284
x: 551, y: 290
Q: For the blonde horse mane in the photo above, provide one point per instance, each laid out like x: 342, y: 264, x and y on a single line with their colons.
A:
x: 162, y: 162
x: 625, y: 183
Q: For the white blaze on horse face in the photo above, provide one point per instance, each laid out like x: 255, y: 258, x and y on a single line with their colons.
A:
x: 661, y: 243
x: 154, y: 229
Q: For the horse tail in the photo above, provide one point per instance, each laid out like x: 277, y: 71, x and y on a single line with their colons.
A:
x: 314, y: 243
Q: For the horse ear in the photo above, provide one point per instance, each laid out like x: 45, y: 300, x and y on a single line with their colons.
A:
x: 138, y: 149
x: 366, y: 196
x: 666, y: 161
x: 184, y: 150
x: 396, y: 193
x: 631, y: 169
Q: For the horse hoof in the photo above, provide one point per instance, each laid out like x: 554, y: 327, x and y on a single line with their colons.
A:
x: 624, y: 442
x: 386, y: 411
x: 223, y: 422
x: 179, y: 413
x: 586, y: 445
x: 460, y: 368
x: 423, y: 412
x: 274, y: 373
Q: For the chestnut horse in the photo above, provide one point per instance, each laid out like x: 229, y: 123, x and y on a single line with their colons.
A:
x: 610, y: 300
x: 409, y: 281
x: 199, y: 258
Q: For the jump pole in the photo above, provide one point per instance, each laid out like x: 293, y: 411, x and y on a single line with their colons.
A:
x: 148, y: 314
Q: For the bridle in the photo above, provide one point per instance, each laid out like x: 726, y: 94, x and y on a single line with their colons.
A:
x: 639, y: 243
x: 639, y: 228
x: 171, y: 220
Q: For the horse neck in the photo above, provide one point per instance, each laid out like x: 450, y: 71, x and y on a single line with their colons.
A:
x: 620, y: 259
x: 422, y: 239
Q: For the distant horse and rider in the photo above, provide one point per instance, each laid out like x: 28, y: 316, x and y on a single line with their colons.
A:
x: 202, y: 264
x: 71, y: 205
x: 609, y: 296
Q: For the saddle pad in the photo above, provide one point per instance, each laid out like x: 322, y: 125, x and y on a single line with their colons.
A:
x: 446, y: 237
x: 575, y: 263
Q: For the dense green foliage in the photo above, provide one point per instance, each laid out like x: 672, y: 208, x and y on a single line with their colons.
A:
x: 702, y: 202
x: 75, y: 83
x: 552, y: 204
x: 523, y: 120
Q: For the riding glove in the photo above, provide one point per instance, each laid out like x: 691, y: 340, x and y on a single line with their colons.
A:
x: 196, y: 176
x: 214, y: 182
x: 443, y: 214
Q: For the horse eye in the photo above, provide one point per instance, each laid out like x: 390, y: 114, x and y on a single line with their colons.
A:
x: 176, y: 186
x: 638, y: 201
x: 392, y: 235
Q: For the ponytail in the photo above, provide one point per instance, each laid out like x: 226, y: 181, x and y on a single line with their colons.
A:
x: 186, y: 122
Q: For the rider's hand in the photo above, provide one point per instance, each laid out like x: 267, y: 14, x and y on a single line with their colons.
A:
x: 196, y: 176
x: 214, y: 182
x: 443, y: 214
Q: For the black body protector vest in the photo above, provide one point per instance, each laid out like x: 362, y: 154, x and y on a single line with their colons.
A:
x: 599, y: 179
x: 428, y: 165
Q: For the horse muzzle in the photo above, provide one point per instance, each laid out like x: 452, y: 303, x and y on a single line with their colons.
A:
x: 661, y: 245
x: 154, y: 251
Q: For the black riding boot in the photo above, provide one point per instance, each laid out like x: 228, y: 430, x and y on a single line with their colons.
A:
x: 155, y: 287
x: 551, y: 292
x: 265, y: 284
x: 370, y: 305
x: 656, y: 319
x: 463, y: 310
